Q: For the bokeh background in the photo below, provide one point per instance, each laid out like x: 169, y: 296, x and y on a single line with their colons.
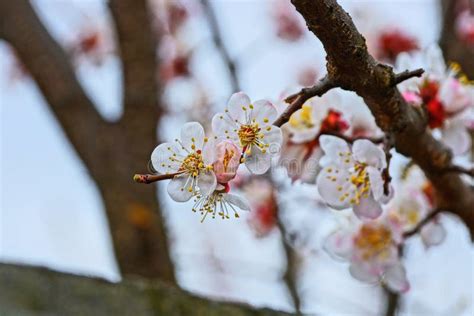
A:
x: 52, y: 213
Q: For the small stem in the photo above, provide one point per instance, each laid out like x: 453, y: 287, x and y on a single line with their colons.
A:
x: 350, y: 140
x: 459, y: 169
x: 388, y: 145
x: 298, y: 99
x: 150, y: 178
x: 407, y: 74
x: 422, y: 223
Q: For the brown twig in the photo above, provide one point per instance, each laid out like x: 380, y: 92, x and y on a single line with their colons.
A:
x: 459, y: 169
x: 151, y: 178
x: 351, y: 140
x: 422, y: 223
x: 298, y: 99
x: 219, y: 43
x: 407, y: 74
x: 388, y: 145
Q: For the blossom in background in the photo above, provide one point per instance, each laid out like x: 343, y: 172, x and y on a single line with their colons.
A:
x: 290, y: 26
x: 446, y: 95
x: 393, y: 42
x: 261, y: 195
x: 372, y: 250
x: 93, y: 43
x: 301, y: 150
x: 227, y: 161
x: 220, y: 203
x: 249, y: 126
x: 352, y: 176
x: 465, y: 27
x: 190, y: 159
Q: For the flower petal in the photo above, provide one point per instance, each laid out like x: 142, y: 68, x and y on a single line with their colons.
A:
x: 332, y: 184
x: 238, y: 201
x: 273, y: 136
x: 207, y: 182
x: 258, y: 162
x: 192, y: 133
x: 367, y: 208
x: 209, y: 151
x: 224, y: 127
x: 263, y: 112
x: 376, y: 182
x: 432, y: 234
x: 367, y: 152
x: 237, y: 102
x: 336, y: 150
x: 177, y: 190
x: 456, y: 137
x: 339, y: 245
x: 395, y: 277
x: 361, y: 272
x: 164, y: 158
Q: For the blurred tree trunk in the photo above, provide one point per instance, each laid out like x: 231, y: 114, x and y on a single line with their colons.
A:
x: 454, y: 49
x: 111, y: 151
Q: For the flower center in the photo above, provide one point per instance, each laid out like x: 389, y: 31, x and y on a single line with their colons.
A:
x: 304, y: 120
x: 373, y: 240
x: 356, y: 185
x: 227, y: 158
x: 249, y: 134
x: 193, y: 163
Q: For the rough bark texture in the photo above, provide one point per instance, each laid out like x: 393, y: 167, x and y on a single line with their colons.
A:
x: 38, y: 291
x: 112, y: 152
x: 453, y: 48
x: 351, y: 67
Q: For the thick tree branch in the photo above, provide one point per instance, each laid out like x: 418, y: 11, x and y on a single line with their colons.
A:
x: 49, y: 66
x: 219, y: 43
x: 351, y: 67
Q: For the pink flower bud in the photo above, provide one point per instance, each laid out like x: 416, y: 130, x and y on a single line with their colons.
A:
x: 228, y: 161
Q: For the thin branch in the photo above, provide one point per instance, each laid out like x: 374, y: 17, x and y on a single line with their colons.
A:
x: 351, y: 140
x: 462, y: 170
x: 219, y: 43
x: 298, y: 99
x: 388, y: 145
x: 151, y: 178
x: 422, y: 223
x: 407, y: 74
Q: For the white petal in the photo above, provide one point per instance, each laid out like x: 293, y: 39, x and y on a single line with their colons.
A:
x: 336, y: 150
x: 263, y: 112
x: 238, y: 201
x: 192, y: 133
x: 432, y: 234
x: 209, y: 152
x: 339, y: 245
x: 223, y: 127
x: 456, y: 137
x: 367, y: 208
x: 235, y: 106
x: 258, y: 162
x: 207, y: 182
x: 362, y: 273
x: 332, y: 185
x: 177, y: 190
x: 396, y: 278
x: 163, y: 158
x: 367, y: 152
x: 435, y: 61
x: 303, y: 136
x: 376, y: 182
x: 273, y: 137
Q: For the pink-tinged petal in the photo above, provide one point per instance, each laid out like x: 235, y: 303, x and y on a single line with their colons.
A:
x: 209, y: 151
x: 303, y: 136
x: 238, y: 107
x: 238, y: 201
x: 192, y: 136
x: 178, y: 188
x: 376, y: 182
x: 336, y: 150
x: 263, y: 112
x: 207, y: 182
x: 454, y: 95
x: 395, y: 277
x: 339, y: 245
x: 456, y: 137
x: 432, y: 234
x: 332, y: 184
x: 227, y: 162
x: 258, y: 162
x: 412, y: 97
x: 367, y: 152
x: 367, y: 208
x: 362, y: 272
x: 164, y: 158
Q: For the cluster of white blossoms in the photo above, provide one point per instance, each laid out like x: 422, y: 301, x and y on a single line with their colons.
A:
x: 200, y: 167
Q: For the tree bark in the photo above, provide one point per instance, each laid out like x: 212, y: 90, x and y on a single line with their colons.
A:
x: 112, y: 152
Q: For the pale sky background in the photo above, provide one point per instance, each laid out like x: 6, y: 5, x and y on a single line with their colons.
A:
x: 51, y: 212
